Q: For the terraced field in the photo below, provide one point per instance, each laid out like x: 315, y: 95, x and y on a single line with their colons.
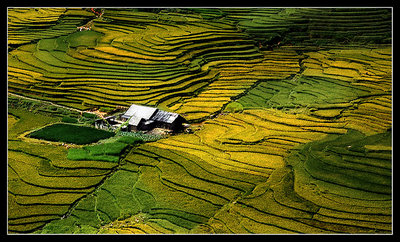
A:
x: 42, y: 182
x: 314, y: 26
x: 149, y: 63
x: 291, y: 112
x: 47, y: 23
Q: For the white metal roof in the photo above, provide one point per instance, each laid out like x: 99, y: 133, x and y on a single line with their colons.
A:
x: 137, y: 112
x: 135, y: 121
x: 164, y: 116
x: 140, y: 111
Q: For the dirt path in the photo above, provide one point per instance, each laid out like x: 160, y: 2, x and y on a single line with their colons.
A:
x: 50, y: 103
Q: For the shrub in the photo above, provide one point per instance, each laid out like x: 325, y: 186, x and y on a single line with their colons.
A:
x: 234, y: 107
x: 140, y: 135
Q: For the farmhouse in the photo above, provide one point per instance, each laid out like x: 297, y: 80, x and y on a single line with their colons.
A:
x: 144, y: 118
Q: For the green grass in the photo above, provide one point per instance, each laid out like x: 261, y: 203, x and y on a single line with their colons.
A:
x: 71, y: 134
x: 83, y: 38
x: 103, y: 152
x: 306, y: 91
x: 106, y: 149
x: 81, y: 154
x: 130, y: 140
x: 67, y: 119
x: 308, y: 26
x: 331, y: 161
x: 114, y: 199
x: 109, y: 150
x: 234, y: 107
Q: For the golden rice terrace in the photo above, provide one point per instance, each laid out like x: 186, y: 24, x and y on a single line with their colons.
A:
x: 288, y: 111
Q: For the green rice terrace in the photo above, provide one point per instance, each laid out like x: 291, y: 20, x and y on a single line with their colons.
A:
x: 289, y: 113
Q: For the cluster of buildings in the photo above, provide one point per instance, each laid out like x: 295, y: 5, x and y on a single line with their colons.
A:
x: 143, y: 118
x: 87, y: 26
x: 83, y: 28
